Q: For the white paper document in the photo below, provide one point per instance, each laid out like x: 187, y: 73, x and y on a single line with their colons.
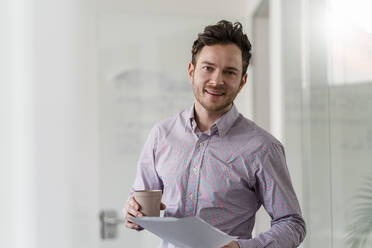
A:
x: 188, y: 232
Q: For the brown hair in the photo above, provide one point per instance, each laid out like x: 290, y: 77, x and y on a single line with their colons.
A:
x: 224, y: 32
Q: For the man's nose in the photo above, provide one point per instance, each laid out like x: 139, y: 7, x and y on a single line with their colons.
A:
x: 217, y: 78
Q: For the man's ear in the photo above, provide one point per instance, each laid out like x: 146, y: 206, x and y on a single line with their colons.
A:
x: 190, y: 71
x: 243, y: 81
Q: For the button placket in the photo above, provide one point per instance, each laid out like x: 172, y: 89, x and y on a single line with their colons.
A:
x: 191, y: 196
x: 202, y: 148
x: 194, y: 177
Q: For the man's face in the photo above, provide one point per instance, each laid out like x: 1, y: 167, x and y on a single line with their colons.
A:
x: 217, y: 77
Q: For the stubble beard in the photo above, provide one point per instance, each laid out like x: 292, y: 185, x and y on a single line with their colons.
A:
x: 200, y: 94
x: 214, y: 108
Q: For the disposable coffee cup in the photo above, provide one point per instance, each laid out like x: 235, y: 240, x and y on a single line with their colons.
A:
x: 149, y: 200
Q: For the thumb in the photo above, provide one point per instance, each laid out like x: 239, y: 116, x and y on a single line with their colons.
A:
x: 162, y: 206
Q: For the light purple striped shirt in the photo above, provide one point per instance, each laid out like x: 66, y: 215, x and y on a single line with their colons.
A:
x: 223, y: 176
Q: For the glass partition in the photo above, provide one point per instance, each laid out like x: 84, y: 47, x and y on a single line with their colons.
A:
x: 327, y: 51
x: 350, y: 120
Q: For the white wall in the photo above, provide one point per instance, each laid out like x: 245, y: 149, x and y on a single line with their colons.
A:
x: 5, y: 125
x: 49, y: 121
x: 66, y: 122
x: 15, y: 142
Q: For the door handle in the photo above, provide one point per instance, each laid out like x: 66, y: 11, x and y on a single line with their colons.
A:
x: 109, y: 222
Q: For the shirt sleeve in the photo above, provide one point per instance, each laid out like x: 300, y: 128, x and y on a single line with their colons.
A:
x: 146, y: 176
x: 275, y: 191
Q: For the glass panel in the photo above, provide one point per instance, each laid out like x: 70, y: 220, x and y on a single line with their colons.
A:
x: 327, y: 61
x: 306, y: 119
x: 350, y: 63
x: 327, y: 85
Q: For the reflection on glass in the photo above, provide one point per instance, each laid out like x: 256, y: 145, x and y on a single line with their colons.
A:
x: 350, y: 117
x: 350, y: 38
x: 359, y: 231
x: 331, y: 101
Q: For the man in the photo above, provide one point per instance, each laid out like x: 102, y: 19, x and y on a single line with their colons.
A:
x: 212, y: 162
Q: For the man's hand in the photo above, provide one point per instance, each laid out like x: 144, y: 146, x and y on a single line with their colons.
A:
x: 132, y: 209
x: 232, y: 244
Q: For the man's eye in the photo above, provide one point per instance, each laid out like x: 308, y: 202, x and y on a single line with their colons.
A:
x: 231, y: 72
x: 207, y: 68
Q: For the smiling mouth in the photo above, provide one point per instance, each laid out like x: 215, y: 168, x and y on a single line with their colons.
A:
x: 214, y: 93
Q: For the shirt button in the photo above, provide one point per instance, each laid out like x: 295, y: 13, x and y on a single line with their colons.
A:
x: 191, y: 196
x: 201, y: 144
x: 195, y: 170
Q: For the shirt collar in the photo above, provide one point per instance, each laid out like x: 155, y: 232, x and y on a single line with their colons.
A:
x: 223, y: 124
x: 191, y: 123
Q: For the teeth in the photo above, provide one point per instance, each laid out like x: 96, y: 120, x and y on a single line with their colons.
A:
x: 215, y: 93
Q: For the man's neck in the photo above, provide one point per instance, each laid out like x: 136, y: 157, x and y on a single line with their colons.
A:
x: 205, y: 119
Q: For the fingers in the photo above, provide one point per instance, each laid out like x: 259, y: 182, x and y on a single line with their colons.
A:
x: 131, y: 225
x: 133, y: 203
x: 131, y: 210
x: 132, y: 207
x: 134, y: 213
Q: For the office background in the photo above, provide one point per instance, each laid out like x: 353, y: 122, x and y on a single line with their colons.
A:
x: 82, y: 82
